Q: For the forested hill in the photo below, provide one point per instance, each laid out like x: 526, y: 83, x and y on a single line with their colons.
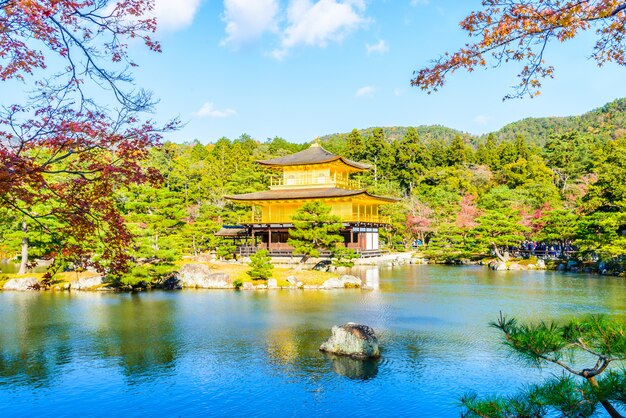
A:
x: 393, y: 133
x: 606, y: 122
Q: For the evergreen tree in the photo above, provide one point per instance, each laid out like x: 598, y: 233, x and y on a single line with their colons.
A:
x: 378, y: 151
x: 521, y: 148
x: 355, y: 146
x: 570, y: 156
x: 596, y: 339
x: 558, y: 226
x: 261, y: 267
x: 458, y: 152
x: 314, y: 229
x: 497, y: 230
x: 411, y: 159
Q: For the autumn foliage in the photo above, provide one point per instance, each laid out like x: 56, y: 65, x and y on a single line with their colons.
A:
x: 63, y: 152
x: 520, y: 31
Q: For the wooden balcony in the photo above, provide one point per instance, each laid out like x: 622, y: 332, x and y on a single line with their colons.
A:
x: 311, y: 181
x: 257, y: 218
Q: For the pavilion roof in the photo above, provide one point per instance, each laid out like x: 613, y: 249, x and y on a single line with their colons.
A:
x: 310, y: 193
x: 315, y: 154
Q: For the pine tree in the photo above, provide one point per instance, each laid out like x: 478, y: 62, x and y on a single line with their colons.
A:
x: 355, y: 146
x: 261, y: 267
x: 314, y: 229
x: 598, y: 339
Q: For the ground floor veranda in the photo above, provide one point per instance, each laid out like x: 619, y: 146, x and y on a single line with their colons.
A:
x: 249, y: 238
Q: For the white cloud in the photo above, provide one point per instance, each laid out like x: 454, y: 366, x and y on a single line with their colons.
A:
x: 317, y: 24
x: 381, y: 47
x: 365, y: 91
x: 248, y: 20
x: 416, y: 3
x: 208, y: 110
x: 170, y: 15
x: 175, y: 14
x: 482, y: 120
x: 398, y: 92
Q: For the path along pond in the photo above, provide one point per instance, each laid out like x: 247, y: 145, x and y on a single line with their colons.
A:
x: 228, y: 353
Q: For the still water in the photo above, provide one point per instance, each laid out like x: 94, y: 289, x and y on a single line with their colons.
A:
x: 226, y: 353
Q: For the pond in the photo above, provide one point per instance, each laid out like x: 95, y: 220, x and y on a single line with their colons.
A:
x: 227, y: 353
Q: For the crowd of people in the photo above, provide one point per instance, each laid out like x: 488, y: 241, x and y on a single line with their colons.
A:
x: 544, y: 249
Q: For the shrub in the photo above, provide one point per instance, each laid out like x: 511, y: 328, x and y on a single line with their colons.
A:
x: 261, y: 266
x: 344, y: 257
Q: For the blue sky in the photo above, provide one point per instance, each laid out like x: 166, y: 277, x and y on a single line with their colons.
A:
x: 304, y: 68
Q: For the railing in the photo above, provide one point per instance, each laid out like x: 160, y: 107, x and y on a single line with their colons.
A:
x: 319, y: 181
x: 246, y: 251
x: 256, y: 218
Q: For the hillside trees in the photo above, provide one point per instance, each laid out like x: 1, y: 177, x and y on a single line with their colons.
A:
x: 411, y: 159
x: 521, y: 31
x: 62, y: 150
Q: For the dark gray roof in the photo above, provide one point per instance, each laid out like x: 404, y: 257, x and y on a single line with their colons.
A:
x: 315, y: 154
x: 311, y: 193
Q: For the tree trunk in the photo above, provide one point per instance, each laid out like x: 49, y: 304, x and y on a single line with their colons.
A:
x: 606, y: 404
x: 500, y: 257
x: 24, y: 262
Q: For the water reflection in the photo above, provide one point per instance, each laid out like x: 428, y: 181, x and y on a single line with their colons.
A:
x: 252, y: 353
x: 139, y: 335
x: 35, y: 341
x: 354, y: 369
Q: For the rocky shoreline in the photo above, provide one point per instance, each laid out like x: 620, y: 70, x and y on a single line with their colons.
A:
x: 183, y: 280
x: 201, y: 276
x: 198, y: 275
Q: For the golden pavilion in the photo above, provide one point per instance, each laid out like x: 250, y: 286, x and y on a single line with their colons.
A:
x: 311, y: 175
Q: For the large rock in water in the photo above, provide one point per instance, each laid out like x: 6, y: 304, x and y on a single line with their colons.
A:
x: 87, y: 283
x: 26, y: 283
x: 500, y: 266
x: 350, y: 281
x: 200, y: 276
x: 342, y: 281
x: 354, y: 340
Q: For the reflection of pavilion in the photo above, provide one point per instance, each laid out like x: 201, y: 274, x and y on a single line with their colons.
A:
x: 307, y: 176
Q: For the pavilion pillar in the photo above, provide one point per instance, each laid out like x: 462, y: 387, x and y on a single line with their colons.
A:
x: 269, y: 238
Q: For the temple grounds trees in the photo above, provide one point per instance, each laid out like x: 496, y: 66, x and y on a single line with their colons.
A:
x: 62, y: 150
x: 314, y: 229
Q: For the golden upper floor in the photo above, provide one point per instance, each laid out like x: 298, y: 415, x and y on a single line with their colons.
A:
x: 313, y: 168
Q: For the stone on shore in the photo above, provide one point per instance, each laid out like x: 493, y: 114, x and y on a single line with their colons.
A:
x: 499, y: 266
x: 272, y: 284
x: 200, y: 276
x: 342, y: 282
x: 333, y: 284
x: 248, y: 286
x: 350, y: 281
x: 23, y: 284
x: 169, y: 282
x: 353, y: 340
x: 516, y: 266
x: 87, y: 283
x: 215, y: 281
x: 191, y: 275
